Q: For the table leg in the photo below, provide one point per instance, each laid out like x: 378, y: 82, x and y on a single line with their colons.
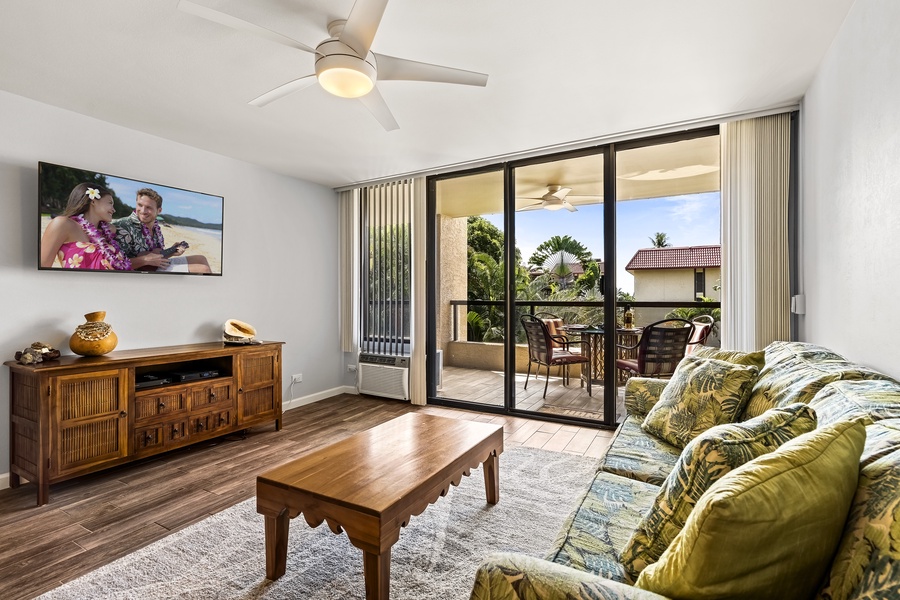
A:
x: 276, y: 544
x: 492, y: 478
x: 377, y: 571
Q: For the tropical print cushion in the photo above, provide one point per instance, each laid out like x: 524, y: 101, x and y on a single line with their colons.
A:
x: 795, y: 372
x: 702, y: 393
x: 769, y: 528
x: 601, y: 524
x: 506, y: 576
x: 642, y: 393
x: 865, y: 399
x: 756, y: 359
x: 638, y: 455
x: 867, y: 562
x: 704, y: 461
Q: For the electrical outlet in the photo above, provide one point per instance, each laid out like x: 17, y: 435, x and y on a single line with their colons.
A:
x: 298, y: 378
x: 351, y: 368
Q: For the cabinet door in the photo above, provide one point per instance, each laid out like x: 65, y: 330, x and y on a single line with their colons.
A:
x: 259, y: 386
x: 90, y: 418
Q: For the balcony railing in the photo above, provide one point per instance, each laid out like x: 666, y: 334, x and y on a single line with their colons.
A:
x: 583, y: 312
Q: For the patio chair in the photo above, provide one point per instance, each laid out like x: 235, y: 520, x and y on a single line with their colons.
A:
x: 659, y: 350
x: 542, y: 351
x: 559, y: 337
x: 702, y: 328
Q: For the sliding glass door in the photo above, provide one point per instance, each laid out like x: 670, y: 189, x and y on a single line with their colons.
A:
x: 534, y: 242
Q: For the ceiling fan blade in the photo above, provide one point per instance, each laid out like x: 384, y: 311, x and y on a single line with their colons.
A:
x: 223, y: 19
x: 359, y: 31
x: 379, y: 109
x: 283, y: 90
x: 390, y: 67
x: 561, y: 193
x: 537, y: 206
x: 569, y: 207
x: 528, y: 203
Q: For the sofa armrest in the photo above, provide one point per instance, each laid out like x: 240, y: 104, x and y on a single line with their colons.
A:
x: 642, y: 394
x: 507, y: 576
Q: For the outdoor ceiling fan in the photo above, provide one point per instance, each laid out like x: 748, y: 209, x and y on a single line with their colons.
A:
x: 345, y: 66
x: 554, y: 199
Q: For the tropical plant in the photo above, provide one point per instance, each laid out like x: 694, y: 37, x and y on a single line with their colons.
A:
x: 559, y: 244
x: 660, y: 240
x: 590, y: 278
x: 692, y: 312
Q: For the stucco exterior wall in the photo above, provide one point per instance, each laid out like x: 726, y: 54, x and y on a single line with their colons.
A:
x: 451, y: 279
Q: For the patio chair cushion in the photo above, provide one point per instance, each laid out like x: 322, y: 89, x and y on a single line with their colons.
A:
x: 702, y: 393
x: 743, y: 540
x: 705, y: 460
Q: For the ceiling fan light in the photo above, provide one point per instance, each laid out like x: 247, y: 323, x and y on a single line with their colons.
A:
x: 345, y: 76
x: 345, y: 83
x: 549, y: 205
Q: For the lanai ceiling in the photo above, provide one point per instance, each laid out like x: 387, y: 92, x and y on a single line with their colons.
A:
x: 559, y: 72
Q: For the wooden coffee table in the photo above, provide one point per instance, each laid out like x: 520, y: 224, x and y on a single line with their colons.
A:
x: 371, y: 483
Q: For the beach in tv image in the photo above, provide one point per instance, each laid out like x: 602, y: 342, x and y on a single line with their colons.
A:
x: 92, y: 221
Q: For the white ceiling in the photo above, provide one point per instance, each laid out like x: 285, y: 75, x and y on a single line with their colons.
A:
x: 560, y: 72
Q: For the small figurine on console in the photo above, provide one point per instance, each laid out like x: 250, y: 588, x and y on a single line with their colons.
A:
x: 37, y: 352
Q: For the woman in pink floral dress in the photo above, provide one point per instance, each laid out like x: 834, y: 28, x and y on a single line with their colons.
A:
x: 82, y: 238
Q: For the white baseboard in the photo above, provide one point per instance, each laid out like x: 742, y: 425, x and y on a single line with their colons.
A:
x: 4, y: 481
x: 304, y: 400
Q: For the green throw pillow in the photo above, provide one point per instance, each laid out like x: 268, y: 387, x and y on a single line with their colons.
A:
x: 707, y: 458
x: 769, y: 528
x: 702, y: 393
x: 756, y: 359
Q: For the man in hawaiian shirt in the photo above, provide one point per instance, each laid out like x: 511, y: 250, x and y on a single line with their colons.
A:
x: 141, y: 239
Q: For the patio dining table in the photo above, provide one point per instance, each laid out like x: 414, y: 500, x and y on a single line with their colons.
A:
x: 592, y: 347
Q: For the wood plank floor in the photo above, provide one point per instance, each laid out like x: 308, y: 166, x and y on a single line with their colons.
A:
x: 482, y: 386
x: 93, y: 520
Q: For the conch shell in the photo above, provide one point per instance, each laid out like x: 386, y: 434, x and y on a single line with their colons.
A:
x: 238, y: 331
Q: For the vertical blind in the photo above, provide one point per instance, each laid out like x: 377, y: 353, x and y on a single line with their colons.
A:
x: 755, y: 258
x: 386, y: 267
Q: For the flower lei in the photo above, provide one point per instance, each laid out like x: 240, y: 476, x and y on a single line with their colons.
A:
x: 154, y: 240
x: 105, y: 241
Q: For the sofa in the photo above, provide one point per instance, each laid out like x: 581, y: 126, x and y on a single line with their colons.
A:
x: 797, y: 478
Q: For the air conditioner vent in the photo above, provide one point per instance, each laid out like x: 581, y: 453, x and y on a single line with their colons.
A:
x: 383, y: 375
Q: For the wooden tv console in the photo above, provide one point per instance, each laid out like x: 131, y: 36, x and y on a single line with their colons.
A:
x: 77, y: 415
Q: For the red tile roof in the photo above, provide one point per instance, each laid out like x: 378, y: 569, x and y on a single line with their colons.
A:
x: 684, y: 257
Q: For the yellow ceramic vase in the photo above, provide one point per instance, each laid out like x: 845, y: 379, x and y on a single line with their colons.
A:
x: 94, y: 337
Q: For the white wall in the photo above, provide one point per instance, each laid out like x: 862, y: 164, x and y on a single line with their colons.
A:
x: 850, y: 196
x: 279, y: 265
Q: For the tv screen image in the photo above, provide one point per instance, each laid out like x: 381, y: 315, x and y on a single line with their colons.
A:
x: 93, y: 221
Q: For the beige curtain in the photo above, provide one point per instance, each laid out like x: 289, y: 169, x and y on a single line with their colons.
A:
x: 348, y: 257
x: 417, y: 386
x: 755, y: 261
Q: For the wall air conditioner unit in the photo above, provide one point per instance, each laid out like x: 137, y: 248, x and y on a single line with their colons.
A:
x: 384, y: 375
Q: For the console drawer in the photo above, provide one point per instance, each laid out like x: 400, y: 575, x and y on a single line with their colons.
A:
x: 210, y: 395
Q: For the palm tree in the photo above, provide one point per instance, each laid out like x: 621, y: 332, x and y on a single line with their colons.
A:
x: 660, y: 240
x: 559, y: 244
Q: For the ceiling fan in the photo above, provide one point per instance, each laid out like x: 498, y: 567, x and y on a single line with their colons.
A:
x: 345, y: 65
x: 554, y: 199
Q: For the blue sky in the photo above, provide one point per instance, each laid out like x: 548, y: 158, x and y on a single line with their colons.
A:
x: 177, y: 202
x: 688, y: 220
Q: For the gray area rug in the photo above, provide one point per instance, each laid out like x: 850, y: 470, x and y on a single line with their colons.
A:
x: 223, y: 556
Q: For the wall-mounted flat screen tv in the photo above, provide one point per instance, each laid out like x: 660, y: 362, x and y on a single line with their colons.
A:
x: 92, y: 221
